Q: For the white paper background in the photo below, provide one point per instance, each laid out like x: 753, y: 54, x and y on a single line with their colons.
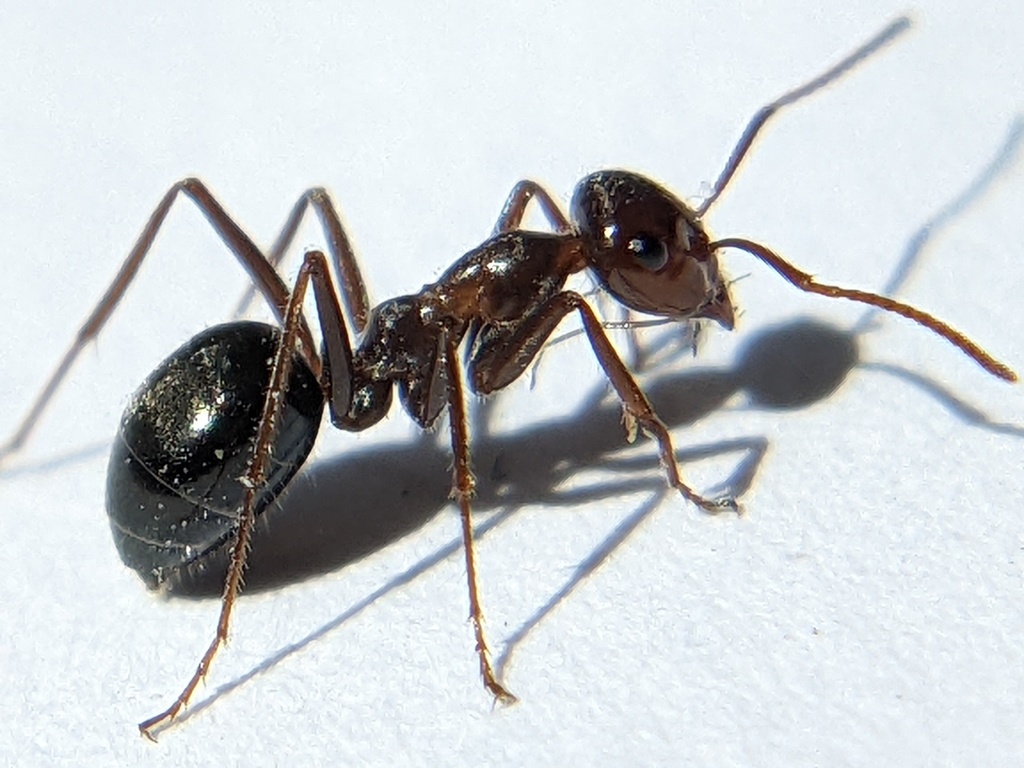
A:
x: 866, y: 611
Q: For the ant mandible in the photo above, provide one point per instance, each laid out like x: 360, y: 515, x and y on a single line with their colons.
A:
x: 217, y: 431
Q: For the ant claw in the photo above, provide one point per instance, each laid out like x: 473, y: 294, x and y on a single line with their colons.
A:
x: 716, y: 506
x: 728, y: 503
x: 501, y: 694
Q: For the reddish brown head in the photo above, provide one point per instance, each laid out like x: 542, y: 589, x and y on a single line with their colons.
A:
x: 648, y: 248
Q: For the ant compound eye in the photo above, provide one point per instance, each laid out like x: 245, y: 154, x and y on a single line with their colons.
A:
x: 648, y: 251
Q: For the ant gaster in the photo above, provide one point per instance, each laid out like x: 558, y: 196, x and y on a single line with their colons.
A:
x: 219, y: 429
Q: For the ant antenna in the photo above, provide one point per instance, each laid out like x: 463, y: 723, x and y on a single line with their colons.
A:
x: 883, y: 38
x: 806, y: 282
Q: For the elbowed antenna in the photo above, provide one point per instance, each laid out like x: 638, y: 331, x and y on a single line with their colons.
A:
x: 806, y: 282
x: 893, y: 30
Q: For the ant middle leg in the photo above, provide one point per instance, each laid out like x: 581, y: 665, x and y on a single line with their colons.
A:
x: 501, y: 357
x: 463, y: 486
x: 261, y: 271
x: 346, y: 266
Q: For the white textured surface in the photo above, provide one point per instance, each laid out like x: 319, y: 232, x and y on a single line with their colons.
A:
x: 868, y: 609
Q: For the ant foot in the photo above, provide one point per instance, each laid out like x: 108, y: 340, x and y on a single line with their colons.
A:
x: 723, y: 504
x: 714, y: 506
x: 501, y: 694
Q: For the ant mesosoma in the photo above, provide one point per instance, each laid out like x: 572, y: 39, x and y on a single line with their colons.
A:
x: 217, y: 431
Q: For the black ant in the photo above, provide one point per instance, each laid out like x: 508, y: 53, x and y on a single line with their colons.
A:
x: 217, y: 431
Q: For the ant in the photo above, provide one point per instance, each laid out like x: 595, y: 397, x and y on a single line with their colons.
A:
x: 219, y: 429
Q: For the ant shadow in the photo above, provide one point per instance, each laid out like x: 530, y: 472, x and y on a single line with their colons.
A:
x: 347, y: 507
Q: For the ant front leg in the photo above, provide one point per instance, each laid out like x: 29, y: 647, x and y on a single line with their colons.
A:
x: 336, y: 378
x: 511, y: 216
x: 262, y: 272
x: 502, y: 357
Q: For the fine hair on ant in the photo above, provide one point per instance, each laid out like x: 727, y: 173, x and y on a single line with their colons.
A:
x: 222, y: 425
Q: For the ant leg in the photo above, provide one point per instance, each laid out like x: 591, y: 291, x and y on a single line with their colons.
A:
x: 806, y: 282
x: 893, y: 30
x: 314, y: 267
x: 511, y: 216
x: 502, y: 359
x: 263, y: 275
x: 346, y: 267
x: 462, y: 489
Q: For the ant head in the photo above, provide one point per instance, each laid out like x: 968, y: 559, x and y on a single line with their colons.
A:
x: 648, y: 248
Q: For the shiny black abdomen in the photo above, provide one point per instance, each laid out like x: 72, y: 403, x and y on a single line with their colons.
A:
x: 173, y: 488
